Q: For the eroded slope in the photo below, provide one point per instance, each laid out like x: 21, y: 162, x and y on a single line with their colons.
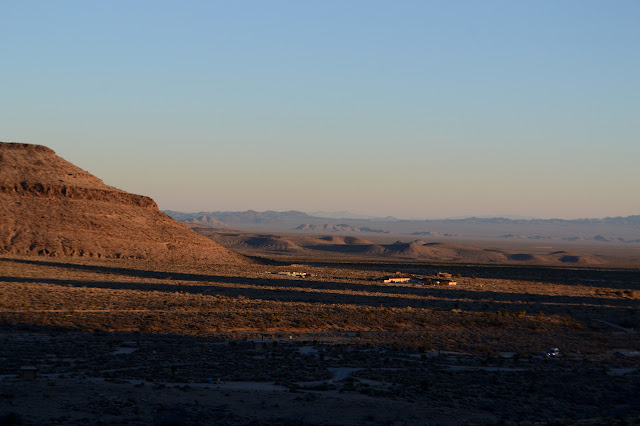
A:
x: 51, y: 207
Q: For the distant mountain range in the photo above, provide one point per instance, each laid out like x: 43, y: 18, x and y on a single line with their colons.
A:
x: 248, y: 217
x: 609, y: 229
x: 341, y: 227
x: 490, y: 216
x: 345, y: 214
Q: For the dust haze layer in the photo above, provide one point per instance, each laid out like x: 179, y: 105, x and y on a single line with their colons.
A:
x: 50, y: 207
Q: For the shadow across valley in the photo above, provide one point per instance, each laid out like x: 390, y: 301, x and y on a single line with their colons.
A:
x: 614, y: 278
x: 601, y: 278
x: 331, y: 292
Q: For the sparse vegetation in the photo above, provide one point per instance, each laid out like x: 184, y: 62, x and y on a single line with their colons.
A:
x: 121, y: 296
x: 177, y: 326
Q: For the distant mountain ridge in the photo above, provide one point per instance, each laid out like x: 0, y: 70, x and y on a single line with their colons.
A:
x: 341, y: 227
x: 619, y: 220
x: 345, y: 214
x: 274, y: 216
x: 242, y: 217
x: 207, y: 220
x: 609, y: 229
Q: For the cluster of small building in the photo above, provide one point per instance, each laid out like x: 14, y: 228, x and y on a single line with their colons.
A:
x: 441, y: 278
x: 291, y: 274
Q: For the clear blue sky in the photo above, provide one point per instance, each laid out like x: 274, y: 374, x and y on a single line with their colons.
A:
x: 404, y: 108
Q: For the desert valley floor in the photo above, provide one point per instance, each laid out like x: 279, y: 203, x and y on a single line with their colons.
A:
x: 112, y: 312
x: 137, y: 342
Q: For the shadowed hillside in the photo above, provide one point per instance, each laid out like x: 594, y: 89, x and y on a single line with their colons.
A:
x: 49, y: 207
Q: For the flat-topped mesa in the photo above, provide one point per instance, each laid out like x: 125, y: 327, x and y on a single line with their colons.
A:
x: 50, y: 207
x: 36, y: 163
x: 26, y: 147
x: 35, y: 170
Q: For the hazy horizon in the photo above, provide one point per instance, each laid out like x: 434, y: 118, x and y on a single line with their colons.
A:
x: 412, y: 109
x: 360, y: 215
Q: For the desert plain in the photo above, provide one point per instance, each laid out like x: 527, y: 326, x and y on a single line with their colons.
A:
x: 111, y: 312
x: 139, y: 342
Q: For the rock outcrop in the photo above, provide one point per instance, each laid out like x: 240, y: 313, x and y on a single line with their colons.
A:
x: 49, y: 207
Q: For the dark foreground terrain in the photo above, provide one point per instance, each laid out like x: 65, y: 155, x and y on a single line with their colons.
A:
x: 134, y: 342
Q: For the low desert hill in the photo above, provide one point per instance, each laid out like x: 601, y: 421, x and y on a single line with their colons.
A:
x: 207, y: 220
x: 334, y: 239
x: 353, y: 248
x: 50, y: 207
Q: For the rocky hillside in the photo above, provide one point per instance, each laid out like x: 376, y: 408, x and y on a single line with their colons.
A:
x: 50, y: 207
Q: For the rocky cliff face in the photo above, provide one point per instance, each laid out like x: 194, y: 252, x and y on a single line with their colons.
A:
x: 50, y: 207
